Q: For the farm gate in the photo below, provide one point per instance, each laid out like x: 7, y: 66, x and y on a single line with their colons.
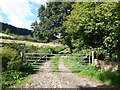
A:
x: 38, y: 59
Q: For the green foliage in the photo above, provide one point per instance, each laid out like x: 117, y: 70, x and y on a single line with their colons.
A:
x: 58, y: 49
x: 40, y: 36
x: 7, y: 31
x: 105, y: 54
x: 34, y: 26
x: 94, y: 25
x: 10, y: 77
x: 13, y: 67
x: 51, y: 18
x: 9, y: 58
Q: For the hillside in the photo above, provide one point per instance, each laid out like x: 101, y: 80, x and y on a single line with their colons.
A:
x: 15, y: 30
x: 5, y: 35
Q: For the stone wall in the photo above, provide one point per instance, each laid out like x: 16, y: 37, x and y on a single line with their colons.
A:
x: 107, y: 65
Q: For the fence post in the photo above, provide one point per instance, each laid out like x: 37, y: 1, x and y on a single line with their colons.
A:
x: 46, y: 58
x: 92, y: 57
x: 89, y: 57
x: 22, y: 55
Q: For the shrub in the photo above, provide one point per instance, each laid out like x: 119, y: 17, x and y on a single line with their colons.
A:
x: 10, y: 77
x: 10, y: 57
x: 13, y: 67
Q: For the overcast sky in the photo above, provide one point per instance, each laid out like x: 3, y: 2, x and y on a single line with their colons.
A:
x: 20, y: 13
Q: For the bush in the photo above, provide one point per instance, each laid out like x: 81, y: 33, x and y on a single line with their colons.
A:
x: 10, y: 77
x: 13, y: 67
x: 102, y: 54
x: 10, y: 59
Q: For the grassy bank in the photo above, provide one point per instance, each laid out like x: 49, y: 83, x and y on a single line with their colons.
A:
x: 112, y: 78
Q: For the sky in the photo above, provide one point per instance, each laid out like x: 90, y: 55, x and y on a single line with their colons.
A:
x: 20, y: 13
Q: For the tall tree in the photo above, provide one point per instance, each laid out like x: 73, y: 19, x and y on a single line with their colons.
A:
x: 52, y: 17
x: 35, y: 26
x: 94, y: 25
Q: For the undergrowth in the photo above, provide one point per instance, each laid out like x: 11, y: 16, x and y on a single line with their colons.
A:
x: 13, y: 68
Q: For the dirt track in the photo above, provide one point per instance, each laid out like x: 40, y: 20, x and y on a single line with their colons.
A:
x: 45, y: 78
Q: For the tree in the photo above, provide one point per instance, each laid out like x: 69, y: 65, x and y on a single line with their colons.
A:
x: 95, y: 24
x: 35, y: 26
x: 52, y: 17
x: 80, y: 25
x: 36, y: 31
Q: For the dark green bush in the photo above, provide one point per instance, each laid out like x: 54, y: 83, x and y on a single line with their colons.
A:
x: 103, y: 54
x: 10, y: 59
x: 10, y: 77
x: 13, y: 67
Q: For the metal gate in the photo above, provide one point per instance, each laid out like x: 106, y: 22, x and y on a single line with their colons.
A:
x: 38, y: 59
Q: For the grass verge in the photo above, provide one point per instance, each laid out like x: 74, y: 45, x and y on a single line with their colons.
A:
x: 112, y: 78
x: 54, y: 63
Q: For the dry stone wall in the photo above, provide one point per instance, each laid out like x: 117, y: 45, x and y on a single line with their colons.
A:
x: 107, y: 65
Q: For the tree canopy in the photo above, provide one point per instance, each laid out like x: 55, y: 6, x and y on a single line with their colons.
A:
x: 51, y: 19
x: 82, y: 25
x: 95, y: 25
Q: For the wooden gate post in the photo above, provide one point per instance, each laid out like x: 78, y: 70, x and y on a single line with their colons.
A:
x: 22, y: 55
x: 89, y: 57
x: 46, y: 58
x: 92, y: 57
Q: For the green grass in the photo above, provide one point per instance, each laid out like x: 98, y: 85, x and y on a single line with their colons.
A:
x: 112, y: 78
x: 0, y: 80
x: 58, y: 49
x: 54, y: 63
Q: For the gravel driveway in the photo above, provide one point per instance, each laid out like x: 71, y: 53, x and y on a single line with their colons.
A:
x: 45, y: 78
